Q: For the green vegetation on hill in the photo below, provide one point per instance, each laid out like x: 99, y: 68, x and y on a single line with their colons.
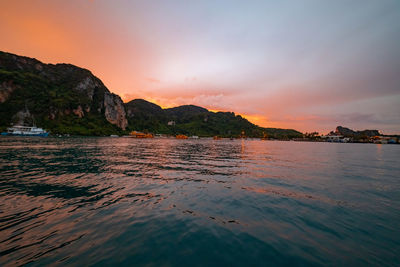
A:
x: 61, y: 98
x: 192, y: 120
x: 66, y: 99
x: 43, y: 98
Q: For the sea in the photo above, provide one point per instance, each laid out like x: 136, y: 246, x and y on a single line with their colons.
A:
x: 102, y: 201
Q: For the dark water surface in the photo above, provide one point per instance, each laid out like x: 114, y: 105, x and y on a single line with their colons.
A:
x: 167, y: 202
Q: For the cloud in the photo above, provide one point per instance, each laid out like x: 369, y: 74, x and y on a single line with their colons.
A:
x: 308, y: 65
x: 153, y: 80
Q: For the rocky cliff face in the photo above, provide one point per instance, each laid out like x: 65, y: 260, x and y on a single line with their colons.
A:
x: 64, y: 98
x: 60, y: 92
x: 349, y: 132
x: 114, y: 110
x: 6, y: 89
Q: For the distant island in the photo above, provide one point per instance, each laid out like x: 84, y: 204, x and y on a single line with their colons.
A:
x: 66, y: 99
x: 347, y: 135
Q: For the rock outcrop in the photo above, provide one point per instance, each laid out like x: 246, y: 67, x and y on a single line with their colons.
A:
x: 23, y: 117
x: 350, y: 133
x: 55, y: 92
x: 114, y: 110
x: 64, y: 98
x: 6, y: 89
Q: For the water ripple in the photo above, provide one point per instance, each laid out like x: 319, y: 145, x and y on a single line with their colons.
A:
x: 108, y: 201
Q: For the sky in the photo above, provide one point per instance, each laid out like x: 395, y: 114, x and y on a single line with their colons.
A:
x: 308, y: 65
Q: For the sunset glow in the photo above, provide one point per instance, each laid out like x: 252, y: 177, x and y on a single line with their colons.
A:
x: 199, y: 132
x: 309, y: 66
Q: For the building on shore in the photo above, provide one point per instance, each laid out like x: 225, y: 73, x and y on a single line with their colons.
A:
x: 385, y: 139
x: 335, y: 138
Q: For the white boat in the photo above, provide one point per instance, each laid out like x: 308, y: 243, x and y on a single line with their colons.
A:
x: 25, y: 131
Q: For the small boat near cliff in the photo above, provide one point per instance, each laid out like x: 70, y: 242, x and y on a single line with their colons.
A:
x: 135, y: 134
x: 181, y: 136
x: 19, y: 130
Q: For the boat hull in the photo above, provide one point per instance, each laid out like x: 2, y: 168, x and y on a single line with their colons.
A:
x: 25, y: 134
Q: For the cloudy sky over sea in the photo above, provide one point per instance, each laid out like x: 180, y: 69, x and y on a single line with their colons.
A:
x: 308, y: 65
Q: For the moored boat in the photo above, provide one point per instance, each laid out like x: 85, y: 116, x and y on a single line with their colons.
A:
x: 19, y: 130
x: 136, y: 134
x: 181, y: 136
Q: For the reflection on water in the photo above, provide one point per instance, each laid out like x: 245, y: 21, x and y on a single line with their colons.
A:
x: 107, y: 201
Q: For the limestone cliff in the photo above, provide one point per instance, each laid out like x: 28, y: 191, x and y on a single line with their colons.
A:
x: 64, y: 98
x: 57, y: 94
x: 114, y: 110
x: 351, y: 133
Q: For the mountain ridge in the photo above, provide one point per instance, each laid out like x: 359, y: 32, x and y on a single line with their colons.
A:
x: 195, y: 120
x: 351, y: 133
x: 68, y: 99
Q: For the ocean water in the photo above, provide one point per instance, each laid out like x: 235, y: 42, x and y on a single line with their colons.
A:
x: 167, y: 202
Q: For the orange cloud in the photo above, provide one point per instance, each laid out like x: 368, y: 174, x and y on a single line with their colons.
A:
x: 140, y: 52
